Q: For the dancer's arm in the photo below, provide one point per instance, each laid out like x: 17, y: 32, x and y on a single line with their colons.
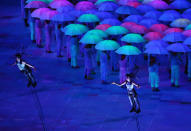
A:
x: 118, y: 84
x: 29, y: 65
x: 138, y: 86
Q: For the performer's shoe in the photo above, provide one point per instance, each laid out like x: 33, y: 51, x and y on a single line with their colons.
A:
x: 40, y: 46
x: 33, y: 41
x: 157, y: 89
x: 75, y: 67
x: 48, y: 51
x: 29, y: 84
x: 138, y: 110
x: 98, y: 63
x: 177, y: 86
x: 132, y: 110
x: 89, y: 78
x: 69, y: 59
x: 172, y: 85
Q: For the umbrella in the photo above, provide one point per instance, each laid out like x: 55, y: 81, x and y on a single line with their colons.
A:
x: 85, y: 5
x: 128, y: 50
x: 180, y: 23
x: 188, y: 27
x: 174, y: 37
x: 46, y: 1
x: 116, y: 30
x: 97, y: 32
x: 153, y: 14
x: 90, y: 39
x: 58, y: 4
x: 88, y: 18
x: 133, y: 38
x: 38, y: 12
x: 171, y: 30
x: 158, y: 28
x: 108, y: 6
x: 111, y: 21
x: 180, y: 4
x: 36, y: 4
x: 76, y: 13
x: 156, y: 50
x: 74, y: 29
x: 101, y: 1
x: 62, y: 17
x: 188, y: 41
x: 159, y: 4
x: 169, y: 15
x: 148, y: 22
x: 128, y: 25
x: 144, y: 8
x: 140, y: 29
x: 124, y: 2
x: 156, y: 43
x: 107, y: 45
x: 103, y: 27
x: 178, y: 47
x: 153, y: 36
x: 133, y: 18
x: 187, y: 33
x: 65, y: 9
x: 104, y: 15
x: 127, y: 10
x: 48, y: 15
x: 133, y: 4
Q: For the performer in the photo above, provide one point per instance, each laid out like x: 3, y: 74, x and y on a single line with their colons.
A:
x: 88, y: 61
x: 25, y: 68
x: 131, y: 93
x: 104, y: 65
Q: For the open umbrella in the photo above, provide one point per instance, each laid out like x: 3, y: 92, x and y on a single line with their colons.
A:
x: 133, y: 4
x: 181, y: 23
x: 128, y: 25
x: 48, y: 15
x: 76, y: 13
x: 156, y: 43
x: 153, y: 14
x: 133, y: 18
x: 74, y: 29
x: 65, y: 9
x: 85, y: 5
x: 39, y: 12
x: 128, y: 50
x: 108, y: 6
x: 171, y: 30
x: 107, y: 45
x: 133, y: 38
x: 156, y: 50
x: 88, y: 18
x: 174, y: 37
x: 187, y: 33
x: 104, y: 15
x: 101, y: 1
x: 148, y: 22
x: 188, y: 27
x: 153, y: 36
x: 116, y: 30
x: 159, y: 4
x: 188, y: 41
x: 90, y: 39
x: 46, y: 1
x: 158, y: 28
x: 145, y: 8
x: 60, y: 3
x: 36, y: 4
x: 169, y: 15
x: 97, y: 32
x: 103, y: 27
x: 111, y: 21
x: 140, y: 29
x: 62, y: 17
x: 178, y: 47
x: 180, y: 4
x: 127, y: 10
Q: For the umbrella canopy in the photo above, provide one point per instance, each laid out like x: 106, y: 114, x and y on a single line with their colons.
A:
x: 169, y: 16
x: 188, y: 41
x: 85, y: 5
x: 48, y: 15
x: 46, y: 1
x: 108, y: 6
x: 187, y: 33
x: 171, y: 30
x: 127, y: 10
x: 116, y: 30
x: 178, y: 47
x: 153, y: 14
x: 144, y: 8
x: 174, y: 37
x: 60, y: 3
x: 140, y: 29
x: 97, y: 32
x: 128, y: 25
x: 153, y: 36
x: 107, y: 45
x: 101, y: 1
x: 88, y: 18
x: 180, y: 4
x: 180, y: 23
x: 133, y: 4
x: 156, y: 50
x: 65, y: 9
x: 133, y: 38
x: 111, y: 21
x: 148, y: 22
x: 188, y: 27
x: 90, y: 39
x: 103, y: 27
x: 36, y: 4
x: 159, y: 4
x: 39, y: 12
x: 76, y: 13
x: 160, y: 43
x: 158, y: 28
x: 133, y: 18
x: 63, y: 17
x: 74, y: 29
x: 104, y: 15
x: 128, y: 50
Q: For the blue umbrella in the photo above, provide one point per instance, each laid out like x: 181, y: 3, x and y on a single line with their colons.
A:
x: 111, y: 21
x: 108, y: 6
x: 104, y: 15
x: 156, y: 43
x: 178, y: 47
x: 62, y: 17
x: 180, y: 23
x: 156, y: 50
x: 188, y: 41
x: 153, y: 14
x: 148, y: 22
x: 174, y: 37
x: 76, y: 13
x: 188, y: 11
x: 180, y: 4
x: 65, y: 9
x: 169, y: 16
x: 127, y: 10
x: 133, y: 18
x: 145, y: 8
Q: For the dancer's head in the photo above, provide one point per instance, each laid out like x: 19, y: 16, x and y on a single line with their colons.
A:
x: 18, y: 57
x: 128, y: 77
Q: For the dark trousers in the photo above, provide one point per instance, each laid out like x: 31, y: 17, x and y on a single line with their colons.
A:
x: 134, y: 100
x: 31, y: 80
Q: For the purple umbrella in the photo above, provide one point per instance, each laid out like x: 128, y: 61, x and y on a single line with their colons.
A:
x: 180, y: 4
x: 127, y: 10
x: 36, y: 4
x: 153, y: 36
x: 58, y: 4
x: 159, y: 4
x: 84, y: 6
x: 188, y: 41
x: 108, y: 6
x: 38, y: 12
x: 111, y: 21
x: 153, y: 14
x: 174, y: 37
x: 169, y: 15
x: 133, y: 18
x: 148, y: 22
x: 178, y: 47
x: 65, y: 9
x: 145, y: 8
x: 48, y: 15
x: 187, y: 33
